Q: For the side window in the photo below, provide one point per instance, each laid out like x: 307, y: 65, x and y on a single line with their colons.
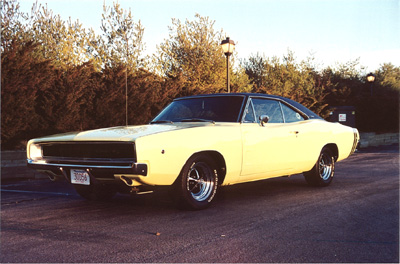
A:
x: 267, y: 107
x: 291, y: 115
x: 249, y: 115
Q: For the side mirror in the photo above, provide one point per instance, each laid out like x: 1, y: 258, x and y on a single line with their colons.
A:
x: 263, y: 119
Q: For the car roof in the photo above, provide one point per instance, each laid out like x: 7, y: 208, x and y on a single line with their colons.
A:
x: 292, y: 103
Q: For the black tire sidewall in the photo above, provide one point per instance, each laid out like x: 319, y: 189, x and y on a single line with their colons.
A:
x: 185, y: 198
x: 331, y: 157
x: 313, y: 176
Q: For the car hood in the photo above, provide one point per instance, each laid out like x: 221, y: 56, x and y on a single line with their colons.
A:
x: 123, y: 133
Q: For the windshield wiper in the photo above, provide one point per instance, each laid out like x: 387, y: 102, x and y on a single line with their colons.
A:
x: 197, y: 120
x: 161, y: 122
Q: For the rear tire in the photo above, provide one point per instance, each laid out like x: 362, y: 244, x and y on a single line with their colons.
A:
x: 197, y: 183
x: 322, y: 172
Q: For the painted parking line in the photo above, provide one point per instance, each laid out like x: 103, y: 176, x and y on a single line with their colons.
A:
x: 37, y: 192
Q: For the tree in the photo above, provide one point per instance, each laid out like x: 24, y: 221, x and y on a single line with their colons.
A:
x: 389, y: 76
x: 75, y: 109
x: 66, y: 43
x: 379, y: 112
x: 193, y: 54
x: 121, y: 40
x: 299, y: 82
x: 255, y: 68
x: 23, y: 76
x: 13, y: 28
x: 240, y: 81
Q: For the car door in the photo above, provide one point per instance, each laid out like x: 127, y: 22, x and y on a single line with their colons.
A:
x: 267, y: 148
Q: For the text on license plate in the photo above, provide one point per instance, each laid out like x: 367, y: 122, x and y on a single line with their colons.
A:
x: 80, y: 177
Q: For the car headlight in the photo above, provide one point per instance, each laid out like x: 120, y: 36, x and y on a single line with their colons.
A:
x: 35, y: 152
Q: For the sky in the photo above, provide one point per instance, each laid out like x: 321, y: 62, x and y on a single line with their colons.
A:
x: 333, y: 31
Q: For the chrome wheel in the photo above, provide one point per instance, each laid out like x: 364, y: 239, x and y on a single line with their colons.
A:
x: 324, y: 169
x: 325, y: 166
x: 200, y: 181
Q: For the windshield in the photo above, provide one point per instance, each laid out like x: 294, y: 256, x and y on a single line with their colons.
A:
x: 202, y: 109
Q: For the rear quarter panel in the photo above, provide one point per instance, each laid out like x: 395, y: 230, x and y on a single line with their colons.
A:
x: 313, y: 136
x: 320, y: 133
x: 345, y: 139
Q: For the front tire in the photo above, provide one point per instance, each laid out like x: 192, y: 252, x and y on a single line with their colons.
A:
x: 197, y: 184
x: 322, y: 172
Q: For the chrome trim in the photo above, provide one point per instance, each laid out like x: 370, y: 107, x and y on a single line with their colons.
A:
x: 285, y: 103
x: 132, y: 168
x: 84, y: 161
x: 283, y: 114
x: 45, y: 156
x: 31, y: 162
x: 355, y: 141
x: 248, y: 104
x: 242, y: 110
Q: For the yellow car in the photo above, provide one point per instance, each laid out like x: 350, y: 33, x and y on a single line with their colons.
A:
x: 197, y: 144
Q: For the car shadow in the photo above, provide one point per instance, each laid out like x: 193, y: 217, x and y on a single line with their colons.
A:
x: 162, y: 200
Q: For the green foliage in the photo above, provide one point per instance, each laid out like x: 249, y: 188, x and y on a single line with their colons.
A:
x: 299, y: 82
x: 57, y: 76
x: 193, y: 54
x: 378, y: 102
x: 240, y: 81
x: 121, y: 41
x: 12, y: 24
x: 66, y: 43
x: 389, y: 76
x: 23, y: 77
x: 321, y: 90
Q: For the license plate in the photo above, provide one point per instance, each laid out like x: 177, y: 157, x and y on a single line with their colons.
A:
x: 80, y: 177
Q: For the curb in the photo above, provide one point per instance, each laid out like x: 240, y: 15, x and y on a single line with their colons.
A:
x: 375, y: 140
x: 14, y: 166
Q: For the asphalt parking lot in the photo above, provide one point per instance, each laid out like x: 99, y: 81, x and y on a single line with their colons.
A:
x: 355, y: 219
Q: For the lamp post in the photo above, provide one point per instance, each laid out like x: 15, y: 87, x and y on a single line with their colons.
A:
x: 227, y: 46
x: 371, y: 80
x: 126, y: 80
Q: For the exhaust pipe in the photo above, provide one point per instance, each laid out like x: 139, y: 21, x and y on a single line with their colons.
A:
x: 134, y: 183
x: 53, y: 177
x: 127, y: 181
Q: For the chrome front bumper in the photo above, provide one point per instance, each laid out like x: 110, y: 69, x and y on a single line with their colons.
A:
x: 112, y: 167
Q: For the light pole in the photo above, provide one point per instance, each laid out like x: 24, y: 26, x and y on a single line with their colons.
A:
x: 126, y: 80
x: 227, y: 46
x: 371, y: 80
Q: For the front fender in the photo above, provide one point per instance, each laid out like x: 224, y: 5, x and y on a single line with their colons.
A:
x: 166, y: 153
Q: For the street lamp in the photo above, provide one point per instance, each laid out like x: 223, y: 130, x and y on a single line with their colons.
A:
x: 126, y: 80
x: 371, y: 80
x: 227, y: 46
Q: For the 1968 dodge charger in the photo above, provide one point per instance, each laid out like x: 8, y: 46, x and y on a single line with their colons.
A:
x: 197, y: 144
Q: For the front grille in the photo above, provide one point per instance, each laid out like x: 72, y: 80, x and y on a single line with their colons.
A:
x: 89, y: 150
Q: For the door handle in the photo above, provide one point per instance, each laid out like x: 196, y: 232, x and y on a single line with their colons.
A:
x: 295, y: 132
